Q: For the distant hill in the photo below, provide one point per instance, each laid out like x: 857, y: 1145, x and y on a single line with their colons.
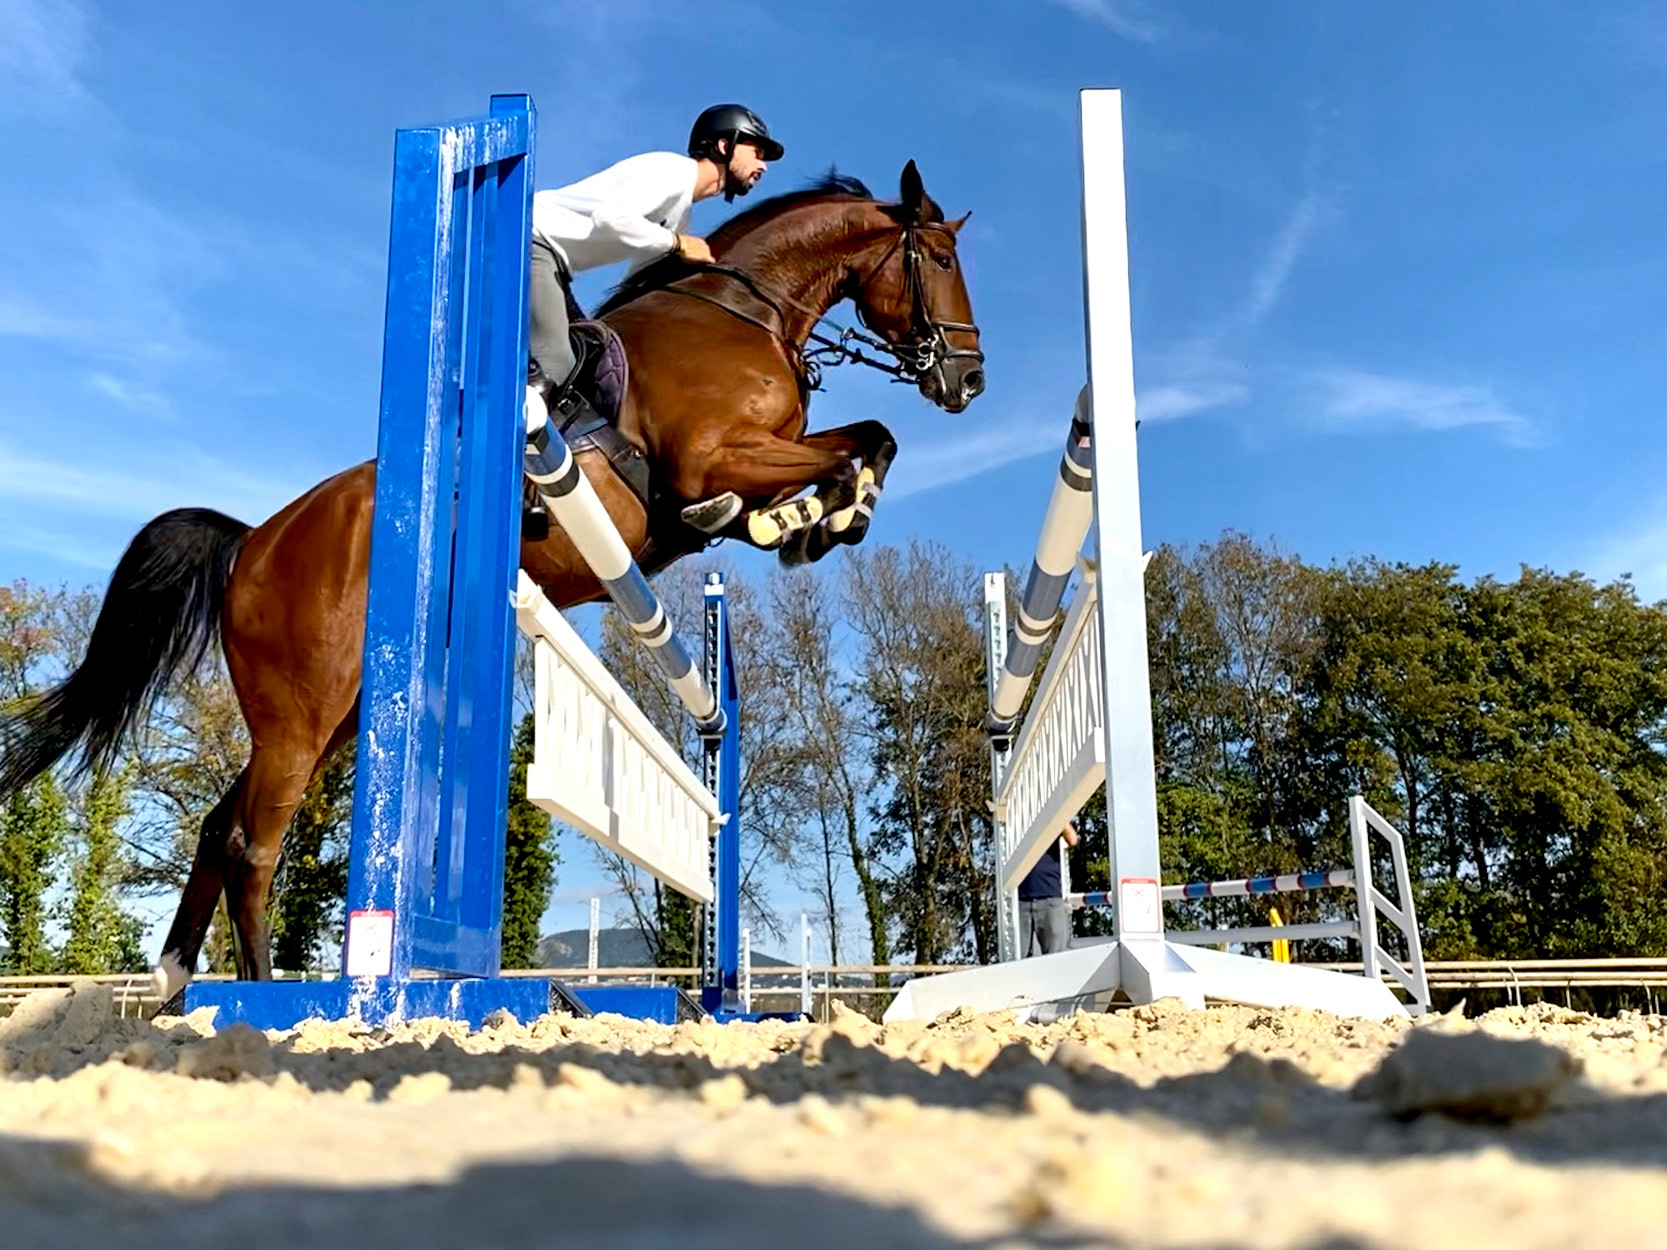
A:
x: 615, y: 948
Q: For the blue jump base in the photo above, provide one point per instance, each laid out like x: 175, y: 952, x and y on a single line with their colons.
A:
x: 375, y: 1001
x: 383, y: 1002
x: 666, y: 1004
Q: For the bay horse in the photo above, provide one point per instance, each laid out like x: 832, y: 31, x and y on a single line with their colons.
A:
x: 718, y: 377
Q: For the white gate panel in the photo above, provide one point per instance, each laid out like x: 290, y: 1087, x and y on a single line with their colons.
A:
x: 1059, y: 759
x: 601, y: 766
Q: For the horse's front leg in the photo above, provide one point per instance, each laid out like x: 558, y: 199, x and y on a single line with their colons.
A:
x: 871, y: 443
x: 764, y: 467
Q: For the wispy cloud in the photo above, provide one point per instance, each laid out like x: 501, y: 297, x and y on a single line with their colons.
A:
x: 930, y: 465
x: 43, y: 45
x: 1640, y: 550
x: 1206, y: 373
x: 23, y: 318
x: 1292, y: 238
x: 1168, y: 403
x: 131, y: 484
x: 1356, y: 400
x: 131, y: 397
x: 81, y: 550
x: 1212, y: 370
x: 1128, y: 18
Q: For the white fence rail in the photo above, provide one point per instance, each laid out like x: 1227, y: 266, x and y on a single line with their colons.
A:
x: 601, y: 766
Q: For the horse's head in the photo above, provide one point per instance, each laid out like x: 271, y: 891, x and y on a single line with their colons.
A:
x: 914, y: 296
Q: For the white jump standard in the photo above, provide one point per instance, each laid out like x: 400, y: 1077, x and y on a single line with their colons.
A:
x: 1091, y: 719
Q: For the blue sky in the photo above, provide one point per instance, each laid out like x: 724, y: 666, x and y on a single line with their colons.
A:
x: 1399, y: 272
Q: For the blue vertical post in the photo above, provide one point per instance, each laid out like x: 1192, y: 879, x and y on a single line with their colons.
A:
x: 434, y: 724
x: 425, y: 883
x: 722, y: 992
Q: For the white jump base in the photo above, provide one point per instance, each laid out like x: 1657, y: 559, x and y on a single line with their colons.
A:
x: 1143, y: 972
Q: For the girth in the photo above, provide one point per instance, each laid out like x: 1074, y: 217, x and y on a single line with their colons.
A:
x: 587, y: 430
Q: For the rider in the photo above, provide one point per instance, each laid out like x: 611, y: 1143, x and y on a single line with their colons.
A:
x: 636, y: 211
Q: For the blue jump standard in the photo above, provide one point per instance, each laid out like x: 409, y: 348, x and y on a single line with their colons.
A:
x: 425, y: 879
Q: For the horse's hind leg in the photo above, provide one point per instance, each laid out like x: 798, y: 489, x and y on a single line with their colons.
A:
x: 178, y: 963
x: 275, y: 783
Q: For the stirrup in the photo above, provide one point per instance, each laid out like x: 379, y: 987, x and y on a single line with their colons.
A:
x: 711, y: 515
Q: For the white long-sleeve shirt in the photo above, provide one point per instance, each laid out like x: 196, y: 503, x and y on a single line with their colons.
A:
x: 631, y: 211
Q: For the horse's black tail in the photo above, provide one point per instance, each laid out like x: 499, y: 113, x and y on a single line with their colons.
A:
x: 161, y: 614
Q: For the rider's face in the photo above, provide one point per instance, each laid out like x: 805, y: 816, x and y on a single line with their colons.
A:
x: 746, y: 167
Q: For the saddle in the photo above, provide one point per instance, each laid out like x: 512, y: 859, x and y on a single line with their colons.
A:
x: 586, y: 414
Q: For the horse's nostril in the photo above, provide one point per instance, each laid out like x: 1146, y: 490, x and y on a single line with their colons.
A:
x: 973, y: 384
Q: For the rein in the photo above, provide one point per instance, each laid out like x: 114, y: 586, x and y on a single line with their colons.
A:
x: 928, y: 347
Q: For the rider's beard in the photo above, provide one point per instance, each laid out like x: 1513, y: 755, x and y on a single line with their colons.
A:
x: 734, y: 186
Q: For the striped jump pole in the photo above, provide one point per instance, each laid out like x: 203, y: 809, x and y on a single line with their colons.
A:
x: 574, y: 504
x: 1070, y: 512
x: 1239, y: 887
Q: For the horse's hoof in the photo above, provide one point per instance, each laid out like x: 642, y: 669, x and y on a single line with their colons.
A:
x: 711, y: 515
x: 169, y: 978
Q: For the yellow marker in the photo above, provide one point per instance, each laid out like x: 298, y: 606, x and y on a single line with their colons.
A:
x: 1281, y: 948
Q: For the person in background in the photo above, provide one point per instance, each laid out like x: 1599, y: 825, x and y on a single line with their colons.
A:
x: 1044, y: 919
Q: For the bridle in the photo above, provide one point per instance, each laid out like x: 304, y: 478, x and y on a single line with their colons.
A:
x: 928, y: 346
x: 926, y: 349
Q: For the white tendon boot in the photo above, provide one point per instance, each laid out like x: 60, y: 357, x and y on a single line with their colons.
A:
x: 168, y: 977
x: 537, y: 413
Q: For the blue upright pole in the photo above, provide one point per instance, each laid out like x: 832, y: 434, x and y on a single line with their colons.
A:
x: 722, y: 992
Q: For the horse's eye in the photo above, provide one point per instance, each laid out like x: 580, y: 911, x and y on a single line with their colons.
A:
x: 944, y: 262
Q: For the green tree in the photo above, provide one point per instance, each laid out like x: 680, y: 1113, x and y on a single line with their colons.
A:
x: 530, y: 858
x: 100, y: 936
x: 34, y: 825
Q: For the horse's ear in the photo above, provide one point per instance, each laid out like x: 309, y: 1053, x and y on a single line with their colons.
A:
x: 955, y: 226
x: 913, y: 194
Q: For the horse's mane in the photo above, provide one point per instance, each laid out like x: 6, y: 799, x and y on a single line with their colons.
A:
x: 832, y: 185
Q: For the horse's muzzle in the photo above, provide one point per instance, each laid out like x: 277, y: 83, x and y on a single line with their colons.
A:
x: 954, y: 383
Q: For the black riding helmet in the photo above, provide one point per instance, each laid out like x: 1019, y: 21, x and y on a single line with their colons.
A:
x: 736, y: 123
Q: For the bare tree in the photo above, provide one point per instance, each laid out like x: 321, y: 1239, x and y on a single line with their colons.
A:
x: 825, y: 758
